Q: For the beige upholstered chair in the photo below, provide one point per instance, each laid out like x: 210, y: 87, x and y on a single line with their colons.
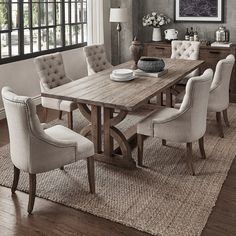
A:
x: 184, y: 125
x: 96, y: 59
x: 188, y: 50
x: 35, y: 150
x: 51, y: 72
x: 219, y: 91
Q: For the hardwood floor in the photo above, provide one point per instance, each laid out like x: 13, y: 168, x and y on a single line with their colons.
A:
x: 54, y: 219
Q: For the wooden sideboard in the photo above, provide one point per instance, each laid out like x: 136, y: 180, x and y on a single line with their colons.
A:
x: 211, y: 55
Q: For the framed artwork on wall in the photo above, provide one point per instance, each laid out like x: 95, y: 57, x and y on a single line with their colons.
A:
x: 199, y: 10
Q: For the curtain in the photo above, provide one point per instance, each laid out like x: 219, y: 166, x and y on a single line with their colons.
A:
x: 95, y: 22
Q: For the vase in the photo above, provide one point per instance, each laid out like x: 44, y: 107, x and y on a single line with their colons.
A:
x: 156, y: 34
x: 136, y: 50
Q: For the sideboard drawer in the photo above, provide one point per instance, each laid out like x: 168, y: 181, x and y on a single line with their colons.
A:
x: 158, y: 51
x: 211, y: 57
x: 213, y: 54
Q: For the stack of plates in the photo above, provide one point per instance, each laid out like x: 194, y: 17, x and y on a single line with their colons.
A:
x: 122, y: 75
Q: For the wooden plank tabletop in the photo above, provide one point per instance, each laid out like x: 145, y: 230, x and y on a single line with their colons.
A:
x: 99, y: 90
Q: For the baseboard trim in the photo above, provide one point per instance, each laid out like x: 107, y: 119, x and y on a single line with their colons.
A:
x: 36, y: 99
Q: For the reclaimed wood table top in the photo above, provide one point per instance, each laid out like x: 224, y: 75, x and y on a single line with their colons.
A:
x: 100, y: 90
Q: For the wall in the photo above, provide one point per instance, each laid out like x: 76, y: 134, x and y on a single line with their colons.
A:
x: 206, y: 30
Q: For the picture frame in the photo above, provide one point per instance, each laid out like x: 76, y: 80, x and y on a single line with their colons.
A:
x: 199, y: 11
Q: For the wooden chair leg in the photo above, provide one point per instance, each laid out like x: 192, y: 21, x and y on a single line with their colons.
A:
x: 45, y: 114
x: 16, y: 179
x: 219, y: 123
x: 225, y: 115
x: 163, y: 142
x: 32, y: 191
x: 91, y: 174
x: 60, y: 115
x: 201, y: 146
x: 189, y: 158
x: 162, y: 99
x: 140, y: 139
x: 70, y: 120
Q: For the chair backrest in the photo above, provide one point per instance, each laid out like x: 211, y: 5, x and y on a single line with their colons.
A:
x: 219, y: 92
x: 23, y: 125
x: 51, y: 71
x: 195, y: 103
x: 96, y: 59
x: 188, y: 50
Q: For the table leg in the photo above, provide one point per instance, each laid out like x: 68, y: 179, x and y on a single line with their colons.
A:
x: 108, y: 140
x: 111, y: 133
x: 169, y: 100
x: 96, y: 128
x: 86, y: 112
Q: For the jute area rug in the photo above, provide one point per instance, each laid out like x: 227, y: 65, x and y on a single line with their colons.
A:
x: 163, y: 199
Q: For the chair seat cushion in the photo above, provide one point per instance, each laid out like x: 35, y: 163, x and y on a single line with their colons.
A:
x: 85, y: 147
x: 60, y: 105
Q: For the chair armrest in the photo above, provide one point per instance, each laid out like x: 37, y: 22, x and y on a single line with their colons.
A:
x: 41, y: 135
x: 58, y: 143
x: 168, y: 115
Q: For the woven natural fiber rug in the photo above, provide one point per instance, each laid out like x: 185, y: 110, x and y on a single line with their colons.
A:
x: 163, y: 199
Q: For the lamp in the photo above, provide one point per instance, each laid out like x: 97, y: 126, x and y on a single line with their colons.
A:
x: 118, y: 15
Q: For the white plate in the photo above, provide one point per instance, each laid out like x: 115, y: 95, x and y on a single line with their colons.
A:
x: 122, y: 79
x: 122, y: 73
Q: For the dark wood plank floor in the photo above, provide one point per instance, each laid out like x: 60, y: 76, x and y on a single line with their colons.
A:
x: 54, y: 219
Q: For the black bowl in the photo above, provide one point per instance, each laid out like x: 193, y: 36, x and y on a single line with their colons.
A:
x: 151, y: 64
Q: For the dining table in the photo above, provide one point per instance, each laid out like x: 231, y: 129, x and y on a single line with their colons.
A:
x: 106, y: 103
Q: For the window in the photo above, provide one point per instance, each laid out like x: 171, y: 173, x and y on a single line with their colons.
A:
x: 32, y: 27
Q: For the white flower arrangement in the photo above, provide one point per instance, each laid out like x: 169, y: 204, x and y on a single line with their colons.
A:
x: 155, y: 20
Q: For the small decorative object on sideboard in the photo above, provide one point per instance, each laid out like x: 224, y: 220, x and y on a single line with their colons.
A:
x: 136, y: 50
x: 156, y: 21
x: 191, y: 35
x: 187, y: 35
x: 171, y: 34
x: 222, y: 35
x: 151, y: 64
x: 195, y: 36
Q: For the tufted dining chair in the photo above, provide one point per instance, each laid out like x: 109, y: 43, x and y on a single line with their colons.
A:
x: 219, y: 91
x: 96, y: 59
x: 187, y: 50
x: 184, y: 125
x: 34, y: 150
x: 52, y: 74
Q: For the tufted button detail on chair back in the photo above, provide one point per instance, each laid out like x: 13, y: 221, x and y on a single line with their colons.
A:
x: 185, y: 50
x: 96, y: 59
x: 51, y: 71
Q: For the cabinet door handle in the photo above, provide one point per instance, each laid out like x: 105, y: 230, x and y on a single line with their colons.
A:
x: 159, y: 48
x: 216, y: 52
